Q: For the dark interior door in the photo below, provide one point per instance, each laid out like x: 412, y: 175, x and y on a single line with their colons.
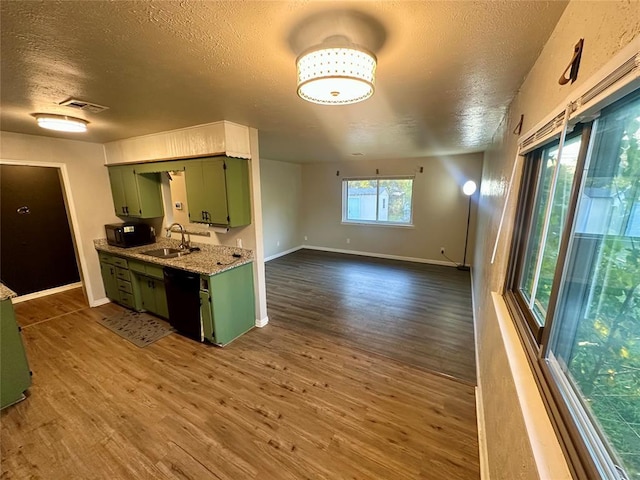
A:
x: 36, y: 248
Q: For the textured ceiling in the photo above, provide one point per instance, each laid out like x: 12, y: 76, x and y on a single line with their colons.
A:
x: 446, y: 70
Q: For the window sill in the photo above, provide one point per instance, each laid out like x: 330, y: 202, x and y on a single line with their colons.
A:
x: 379, y: 224
x: 546, y: 449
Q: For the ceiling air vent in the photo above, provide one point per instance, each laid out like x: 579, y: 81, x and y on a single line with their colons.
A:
x: 82, y: 105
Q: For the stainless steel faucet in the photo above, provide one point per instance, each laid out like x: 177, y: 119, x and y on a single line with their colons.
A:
x: 184, y: 244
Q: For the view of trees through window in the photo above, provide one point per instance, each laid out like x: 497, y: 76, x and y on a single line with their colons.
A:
x: 384, y: 200
x: 542, y: 257
x: 596, y: 329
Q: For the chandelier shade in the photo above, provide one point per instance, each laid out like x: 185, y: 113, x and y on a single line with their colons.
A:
x: 61, y: 123
x: 336, y: 75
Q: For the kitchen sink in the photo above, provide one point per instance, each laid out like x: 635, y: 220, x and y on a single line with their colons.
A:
x: 166, y: 252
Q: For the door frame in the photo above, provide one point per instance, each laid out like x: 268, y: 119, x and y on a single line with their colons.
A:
x: 69, y: 204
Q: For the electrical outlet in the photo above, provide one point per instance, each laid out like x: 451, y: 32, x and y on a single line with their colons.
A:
x: 305, y: 238
x: 278, y: 243
x: 441, y: 250
x: 348, y: 240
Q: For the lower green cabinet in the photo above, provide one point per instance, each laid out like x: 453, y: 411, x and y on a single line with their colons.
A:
x: 227, y: 299
x: 153, y: 296
x: 148, y: 285
x: 15, y: 376
x: 117, y: 280
x: 109, y: 279
x: 227, y: 305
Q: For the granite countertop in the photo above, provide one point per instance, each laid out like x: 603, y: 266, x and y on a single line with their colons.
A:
x: 210, y: 260
x: 6, y: 293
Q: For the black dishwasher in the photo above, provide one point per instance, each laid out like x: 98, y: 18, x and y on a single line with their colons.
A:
x: 183, y: 300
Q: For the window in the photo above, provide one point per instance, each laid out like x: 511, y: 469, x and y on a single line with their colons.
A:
x: 377, y: 200
x: 574, y: 284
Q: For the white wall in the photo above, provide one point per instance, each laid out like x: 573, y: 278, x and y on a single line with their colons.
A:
x: 439, y: 207
x: 90, y: 194
x: 281, y: 198
x: 514, y: 450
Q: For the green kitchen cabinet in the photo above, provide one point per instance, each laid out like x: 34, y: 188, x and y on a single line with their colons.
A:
x: 218, y: 191
x: 117, y: 280
x: 15, y: 376
x: 153, y: 295
x: 227, y: 307
x: 148, y: 285
x: 109, y: 279
x: 135, y: 195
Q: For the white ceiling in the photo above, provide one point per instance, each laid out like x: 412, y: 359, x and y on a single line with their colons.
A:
x: 446, y: 70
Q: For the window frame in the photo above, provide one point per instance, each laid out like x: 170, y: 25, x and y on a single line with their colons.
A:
x: 580, y: 455
x: 523, y: 226
x: 377, y: 223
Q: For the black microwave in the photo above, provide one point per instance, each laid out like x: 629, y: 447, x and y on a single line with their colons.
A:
x: 127, y: 235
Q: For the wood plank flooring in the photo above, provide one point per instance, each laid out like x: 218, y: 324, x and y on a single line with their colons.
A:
x: 51, y: 306
x: 415, y: 313
x: 277, y: 403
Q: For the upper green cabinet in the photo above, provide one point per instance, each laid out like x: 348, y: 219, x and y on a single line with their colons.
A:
x: 134, y: 194
x: 218, y: 191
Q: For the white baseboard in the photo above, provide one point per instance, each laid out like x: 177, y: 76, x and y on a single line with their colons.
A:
x: 100, y: 301
x: 381, y: 255
x: 282, y: 254
x: 482, y: 437
x: 262, y: 322
x: 44, y: 293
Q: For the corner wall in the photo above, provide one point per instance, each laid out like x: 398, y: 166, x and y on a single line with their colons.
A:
x: 281, y: 198
x: 515, y: 451
x: 439, y: 208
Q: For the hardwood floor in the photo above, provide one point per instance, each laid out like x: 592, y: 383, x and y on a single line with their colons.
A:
x: 51, y: 306
x: 277, y: 403
x: 415, y: 313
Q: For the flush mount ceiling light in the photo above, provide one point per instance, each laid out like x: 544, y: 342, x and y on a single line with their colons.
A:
x: 336, y: 72
x: 61, y: 123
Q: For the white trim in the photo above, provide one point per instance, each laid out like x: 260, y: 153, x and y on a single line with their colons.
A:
x: 548, y: 455
x: 482, y: 436
x: 70, y: 204
x: 282, y: 254
x: 260, y: 286
x: 597, y: 103
x: 482, y: 432
x: 262, y: 322
x: 381, y: 255
x: 98, y: 302
x: 505, y: 206
x: 362, y: 223
x: 45, y: 293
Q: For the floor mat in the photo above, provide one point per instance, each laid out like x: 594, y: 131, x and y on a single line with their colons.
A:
x: 141, y: 329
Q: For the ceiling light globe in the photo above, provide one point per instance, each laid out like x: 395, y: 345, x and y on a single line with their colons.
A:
x: 469, y: 188
x: 61, y: 123
x: 336, y: 75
